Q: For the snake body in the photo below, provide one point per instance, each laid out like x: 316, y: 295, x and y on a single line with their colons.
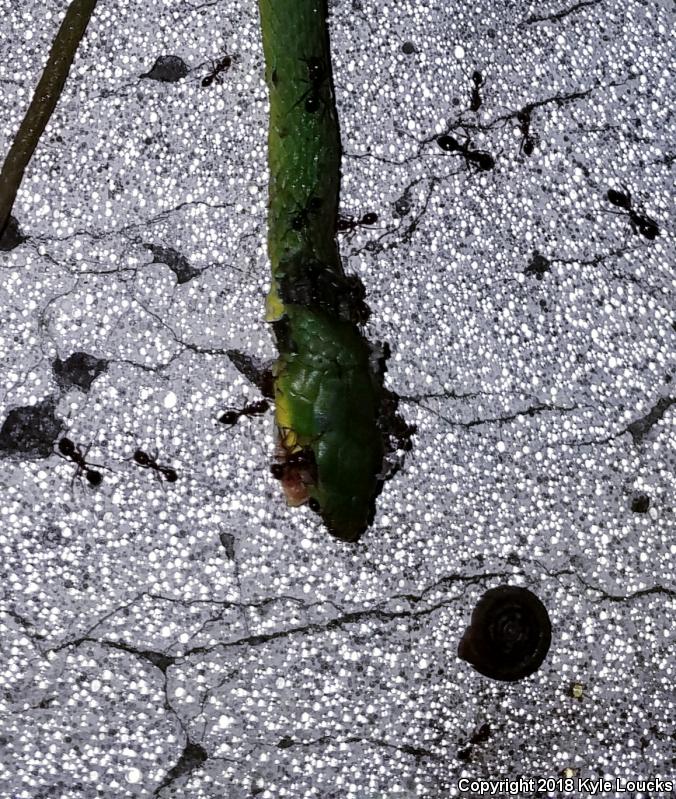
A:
x: 328, y: 378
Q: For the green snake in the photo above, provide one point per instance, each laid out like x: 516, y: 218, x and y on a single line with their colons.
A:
x: 328, y: 379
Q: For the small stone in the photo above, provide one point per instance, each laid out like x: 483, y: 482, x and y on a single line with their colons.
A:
x: 228, y: 544
x: 178, y: 263
x: 167, y: 68
x: 31, y: 430
x: 79, y: 369
x: 640, y: 503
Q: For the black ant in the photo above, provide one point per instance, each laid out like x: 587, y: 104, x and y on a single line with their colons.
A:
x: 478, y: 81
x: 483, y: 160
x: 302, y: 459
x: 219, y: 66
x: 301, y: 218
x: 644, y: 225
x: 252, y: 409
x: 523, y: 118
x: 346, y: 223
x: 74, y: 453
x: 316, y: 77
x: 148, y: 462
x: 297, y: 472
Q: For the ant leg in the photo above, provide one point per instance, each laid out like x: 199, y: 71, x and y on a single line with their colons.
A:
x: 464, y: 129
x: 76, y: 474
x: 301, y: 99
x: 468, y: 163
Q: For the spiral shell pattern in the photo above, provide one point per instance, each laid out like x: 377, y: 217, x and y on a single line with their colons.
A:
x: 509, y: 634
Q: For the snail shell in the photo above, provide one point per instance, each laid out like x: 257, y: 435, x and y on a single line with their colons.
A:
x: 509, y: 634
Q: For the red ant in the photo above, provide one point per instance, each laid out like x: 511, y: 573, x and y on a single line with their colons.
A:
x: 478, y: 81
x: 297, y: 472
x: 301, y: 459
x: 252, y: 409
x: 73, y: 452
x: 148, y: 462
x: 483, y: 160
x: 346, y: 223
x: 216, y: 68
x: 644, y: 225
x: 301, y: 218
x: 317, y: 75
x: 528, y: 142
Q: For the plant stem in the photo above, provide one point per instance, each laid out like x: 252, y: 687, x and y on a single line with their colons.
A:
x: 44, y: 102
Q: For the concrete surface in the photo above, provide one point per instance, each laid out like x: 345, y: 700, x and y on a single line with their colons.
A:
x: 199, y: 639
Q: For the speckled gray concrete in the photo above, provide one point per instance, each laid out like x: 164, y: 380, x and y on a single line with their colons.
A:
x: 199, y: 639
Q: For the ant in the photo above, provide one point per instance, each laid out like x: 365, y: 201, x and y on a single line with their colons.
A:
x: 316, y: 77
x: 644, y: 225
x: 252, y: 409
x: 301, y: 218
x: 483, y: 160
x: 297, y: 471
x: 304, y: 458
x: 346, y: 223
x: 478, y: 81
x: 216, y: 68
x: 523, y: 118
x: 148, y: 462
x: 73, y: 452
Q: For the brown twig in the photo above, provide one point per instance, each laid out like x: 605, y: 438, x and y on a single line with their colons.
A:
x: 44, y: 102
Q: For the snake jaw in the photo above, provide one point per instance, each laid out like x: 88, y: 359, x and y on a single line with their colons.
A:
x: 298, y: 472
x: 295, y: 484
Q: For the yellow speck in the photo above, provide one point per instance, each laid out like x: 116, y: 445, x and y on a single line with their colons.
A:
x: 274, y: 308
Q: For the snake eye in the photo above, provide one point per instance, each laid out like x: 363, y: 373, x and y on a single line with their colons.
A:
x: 509, y: 634
x: 314, y: 505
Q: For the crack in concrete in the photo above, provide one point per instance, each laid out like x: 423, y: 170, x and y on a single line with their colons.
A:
x: 161, y: 216
x: 540, y: 408
x: 639, y: 428
x: 346, y: 618
x: 558, y: 99
x: 530, y: 411
x: 192, y: 757
x: 393, y: 237
x: 417, y: 752
x: 559, y: 15
x: 418, y: 398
